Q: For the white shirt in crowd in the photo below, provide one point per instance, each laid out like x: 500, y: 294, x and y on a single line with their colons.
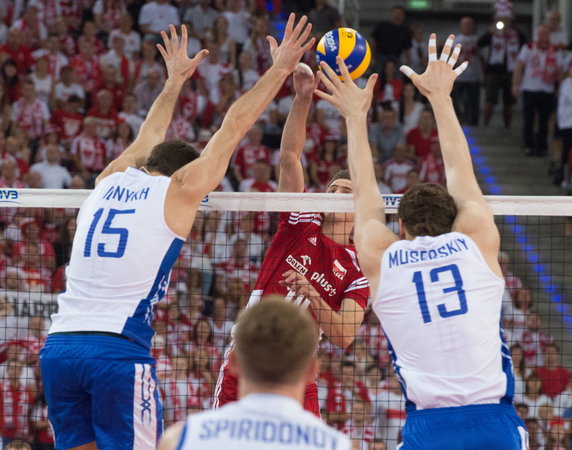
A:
x: 535, y: 66
x: 54, y: 176
x: 564, y: 113
x: 158, y: 17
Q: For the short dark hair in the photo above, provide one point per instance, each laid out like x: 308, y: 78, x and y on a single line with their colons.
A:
x: 275, y: 341
x: 168, y: 157
x: 343, y: 174
x: 427, y: 210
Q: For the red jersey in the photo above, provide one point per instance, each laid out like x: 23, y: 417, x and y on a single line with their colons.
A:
x: 331, y: 268
x: 69, y: 124
x: 421, y: 144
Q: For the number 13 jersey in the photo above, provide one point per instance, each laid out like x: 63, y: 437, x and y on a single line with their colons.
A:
x: 440, y: 306
x: 121, y: 260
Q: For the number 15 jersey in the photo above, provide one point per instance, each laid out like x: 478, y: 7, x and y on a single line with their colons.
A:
x: 440, y: 306
x: 121, y: 260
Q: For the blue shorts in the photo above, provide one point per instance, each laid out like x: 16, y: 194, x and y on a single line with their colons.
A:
x: 103, y: 389
x: 490, y: 427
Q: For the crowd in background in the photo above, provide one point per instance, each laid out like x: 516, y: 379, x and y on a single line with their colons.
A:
x: 76, y: 81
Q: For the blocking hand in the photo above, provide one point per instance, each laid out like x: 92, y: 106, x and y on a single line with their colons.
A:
x: 293, y: 46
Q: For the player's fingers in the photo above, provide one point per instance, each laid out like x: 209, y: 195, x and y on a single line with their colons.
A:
x: 289, y: 26
x: 201, y: 55
x: 166, y: 42
x: 447, y: 49
x: 329, y: 98
x: 272, y: 42
x: 174, y: 36
x: 408, y: 72
x: 432, y: 47
x: 309, y: 45
x: 371, y: 83
x: 298, y: 29
x: 317, y: 78
x: 454, y: 56
x: 459, y: 70
x: 344, y: 69
x: 162, y: 51
x: 184, y: 37
x: 305, y: 34
x: 331, y: 79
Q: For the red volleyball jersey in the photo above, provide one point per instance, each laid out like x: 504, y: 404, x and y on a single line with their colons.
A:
x: 330, y: 267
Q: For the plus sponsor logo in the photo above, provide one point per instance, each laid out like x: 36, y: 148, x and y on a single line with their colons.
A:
x: 296, y: 265
x: 320, y: 279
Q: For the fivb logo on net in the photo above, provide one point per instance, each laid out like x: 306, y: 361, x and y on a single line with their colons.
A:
x: 392, y: 202
x: 9, y: 196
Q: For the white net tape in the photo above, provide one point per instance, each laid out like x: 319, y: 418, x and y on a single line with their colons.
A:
x: 302, y: 202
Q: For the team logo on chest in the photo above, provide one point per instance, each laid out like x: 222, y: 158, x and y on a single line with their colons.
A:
x: 297, y: 265
x: 339, y: 270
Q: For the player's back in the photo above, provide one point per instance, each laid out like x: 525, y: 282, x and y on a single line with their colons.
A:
x: 122, y: 255
x: 260, y: 422
x: 440, y: 306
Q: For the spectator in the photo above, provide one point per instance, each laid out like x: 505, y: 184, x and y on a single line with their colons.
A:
x: 55, y: 59
x: 533, y: 396
x: 535, y: 75
x: 388, y: 90
x: 563, y: 402
x: 11, y: 81
x: 396, y: 169
x: 86, y: 66
x: 420, y: 139
x: 66, y: 87
x: 552, y: 22
x: 328, y: 117
x: 219, y: 36
x: 410, y: 108
x: 29, y: 113
x: 67, y: 43
x: 238, y: 22
x: 5, y: 111
x: 89, y: 35
x: 108, y: 14
x: 9, y: 175
x: 257, y: 44
x: 88, y: 150
x: 147, y: 91
x: 148, y: 63
x: 68, y: 120
x: 359, y: 425
x: 326, y: 161
x: 467, y: 87
x: 110, y: 81
x: 31, y: 236
x: 221, y: 326
x: 554, y: 377
x: 564, y: 122
x: 512, y: 282
x: 211, y: 71
x: 105, y: 115
x: 156, y: 16
x: 245, y: 75
x: 379, y: 176
x: 394, y: 409
x: 385, y: 135
x: 504, y: 44
x: 521, y: 372
x: 43, y: 81
x: 418, y: 50
x: 16, y: 50
x: 324, y: 17
x: 16, y: 402
x: 34, y: 32
x: 534, y: 340
x: 558, y: 436
x: 203, y: 18
x: 248, y: 153
x: 411, y: 179
x: 129, y: 113
x: 118, y: 59
x: 392, y: 39
x: 54, y: 175
x: 131, y: 38
x: 431, y: 166
x: 260, y: 182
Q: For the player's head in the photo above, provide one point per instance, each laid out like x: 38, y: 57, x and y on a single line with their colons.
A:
x: 275, y: 344
x: 168, y: 157
x: 341, y: 183
x: 426, y: 210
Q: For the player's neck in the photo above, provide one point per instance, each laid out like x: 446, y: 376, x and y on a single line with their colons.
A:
x: 247, y: 387
x: 337, y: 230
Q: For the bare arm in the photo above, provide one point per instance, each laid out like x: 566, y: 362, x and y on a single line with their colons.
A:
x: 202, y: 175
x: 372, y: 236
x: 171, y: 437
x: 179, y: 68
x: 291, y: 177
x: 474, y: 216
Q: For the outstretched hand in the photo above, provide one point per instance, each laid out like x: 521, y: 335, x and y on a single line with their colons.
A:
x: 439, y: 76
x: 305, y: 82
x: 174, y: 52
x: 293, y: 46
x: 345, y: 95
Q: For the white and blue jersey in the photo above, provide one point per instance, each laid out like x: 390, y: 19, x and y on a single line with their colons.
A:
x: 439, y: 304
x: 262, y: 422
x: 121, y: 260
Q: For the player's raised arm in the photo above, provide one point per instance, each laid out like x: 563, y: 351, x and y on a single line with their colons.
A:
x: 371, y: 235
x: 204, y: 174
x: 294, y: 135
x: 475, y: 217
x: 179, y: 68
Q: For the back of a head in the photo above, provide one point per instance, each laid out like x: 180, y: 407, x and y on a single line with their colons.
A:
x: 168, y: 157
x: 18, y: 445
x: 427, y: 210
x: 275, y: 340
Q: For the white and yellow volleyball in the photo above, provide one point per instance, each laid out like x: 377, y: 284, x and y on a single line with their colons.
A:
x: 350, y: 46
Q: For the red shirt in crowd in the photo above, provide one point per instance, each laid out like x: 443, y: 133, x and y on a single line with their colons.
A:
x: 421, y: 144
x: 247, y: 155
x: 69, y: 124
x: 554, y: 380
x: 91, y: 152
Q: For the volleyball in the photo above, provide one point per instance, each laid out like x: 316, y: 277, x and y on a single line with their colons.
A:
x: 350, y: 46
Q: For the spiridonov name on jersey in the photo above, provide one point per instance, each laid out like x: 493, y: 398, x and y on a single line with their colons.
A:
x: 247, y: 430
x: 402, y: 257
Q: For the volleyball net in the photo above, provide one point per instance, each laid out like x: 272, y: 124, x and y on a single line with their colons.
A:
x: 215, y: 275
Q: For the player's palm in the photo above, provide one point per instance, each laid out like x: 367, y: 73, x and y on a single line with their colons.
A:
x: 293, y: 46
x: 304, y: 80
x: 174, y: 53
x: 439, y: 76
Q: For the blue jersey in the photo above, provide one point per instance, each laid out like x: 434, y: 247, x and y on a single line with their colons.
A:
x: 121, y: 260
